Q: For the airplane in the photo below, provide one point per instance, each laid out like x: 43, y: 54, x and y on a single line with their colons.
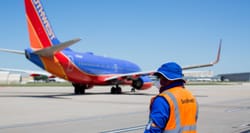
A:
x: 83, y: 70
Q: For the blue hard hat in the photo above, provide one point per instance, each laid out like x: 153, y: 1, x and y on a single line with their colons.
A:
x: 171, y: 71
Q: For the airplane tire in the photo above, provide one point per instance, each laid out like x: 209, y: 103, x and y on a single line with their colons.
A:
x: 79, y: 89
x: 113, y: 90
x: 116, y: 90
x: 82, y: 90
x: 119, y: 90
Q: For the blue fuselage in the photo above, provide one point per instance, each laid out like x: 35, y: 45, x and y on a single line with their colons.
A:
x: 100, y: 65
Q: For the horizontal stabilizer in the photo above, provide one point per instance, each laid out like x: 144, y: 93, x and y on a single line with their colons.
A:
x: 12, y: 51
x: 50, y: 51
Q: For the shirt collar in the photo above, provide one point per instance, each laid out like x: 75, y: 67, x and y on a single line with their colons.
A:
x: 174, y: 84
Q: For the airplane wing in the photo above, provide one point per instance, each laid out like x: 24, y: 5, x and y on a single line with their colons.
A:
x: 150, y: 73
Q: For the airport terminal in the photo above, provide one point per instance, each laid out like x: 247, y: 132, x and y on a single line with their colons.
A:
x: 235, y: 77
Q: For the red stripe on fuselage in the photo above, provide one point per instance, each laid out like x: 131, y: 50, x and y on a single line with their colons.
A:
x: 73, y: 73
x: 76, y: 75
x: 36, y: 23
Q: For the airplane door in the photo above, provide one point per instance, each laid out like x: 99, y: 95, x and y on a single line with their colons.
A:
x: 70, y: 66
x: 115, y: 67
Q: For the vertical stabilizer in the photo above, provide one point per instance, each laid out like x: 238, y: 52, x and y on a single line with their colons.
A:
x: 40, y: 30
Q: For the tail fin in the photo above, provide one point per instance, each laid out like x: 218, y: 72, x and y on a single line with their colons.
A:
x: 41, y: 33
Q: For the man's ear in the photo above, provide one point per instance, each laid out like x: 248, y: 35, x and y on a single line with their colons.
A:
x: 164, y: 81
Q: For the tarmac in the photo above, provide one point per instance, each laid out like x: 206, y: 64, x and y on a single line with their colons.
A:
x: 222, y: 109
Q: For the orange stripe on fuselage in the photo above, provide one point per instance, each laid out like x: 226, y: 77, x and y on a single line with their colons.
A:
x: 53, y: 66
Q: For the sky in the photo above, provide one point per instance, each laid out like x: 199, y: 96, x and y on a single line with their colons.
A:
x: 146, y: 32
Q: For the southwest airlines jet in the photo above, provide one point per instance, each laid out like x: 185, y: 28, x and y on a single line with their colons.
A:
x: 83, y: 70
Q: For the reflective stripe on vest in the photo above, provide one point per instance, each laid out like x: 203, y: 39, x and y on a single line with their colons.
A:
x: 178, y: 128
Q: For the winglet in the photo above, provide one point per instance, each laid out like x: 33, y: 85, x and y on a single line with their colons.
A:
x: 209, y: 64
x: 218, y: 54
x: 50, y: 51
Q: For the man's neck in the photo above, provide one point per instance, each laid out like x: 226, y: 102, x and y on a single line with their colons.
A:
x: 174, y: 84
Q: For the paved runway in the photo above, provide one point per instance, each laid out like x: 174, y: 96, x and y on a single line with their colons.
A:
x: 223, y: 108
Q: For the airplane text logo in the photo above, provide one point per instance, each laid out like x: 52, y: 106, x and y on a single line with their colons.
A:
x: 44, y: 19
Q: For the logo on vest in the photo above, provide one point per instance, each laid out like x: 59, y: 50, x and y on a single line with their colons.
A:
x: 186, y: 101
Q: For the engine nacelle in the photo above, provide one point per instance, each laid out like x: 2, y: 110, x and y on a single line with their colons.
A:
x: 142, y: 83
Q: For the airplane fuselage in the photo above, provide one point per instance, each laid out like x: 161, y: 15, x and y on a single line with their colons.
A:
x: 84, y: 68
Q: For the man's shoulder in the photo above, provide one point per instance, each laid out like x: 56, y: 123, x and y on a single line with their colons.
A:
x: 160, y: 104
x: 159, y: 100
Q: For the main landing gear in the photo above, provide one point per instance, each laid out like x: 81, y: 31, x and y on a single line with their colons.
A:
x: 79, y: 88
x: 116, y: 90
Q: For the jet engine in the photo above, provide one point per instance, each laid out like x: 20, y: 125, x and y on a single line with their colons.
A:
x: 142, y: 83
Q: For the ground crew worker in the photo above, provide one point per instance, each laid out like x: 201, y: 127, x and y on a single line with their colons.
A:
x: 175, y: 109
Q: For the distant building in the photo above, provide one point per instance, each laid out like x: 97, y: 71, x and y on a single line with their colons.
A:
x: 235, y: 77
x: 9, y: 78
x: 198, y: 74
x: 4, y: 77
